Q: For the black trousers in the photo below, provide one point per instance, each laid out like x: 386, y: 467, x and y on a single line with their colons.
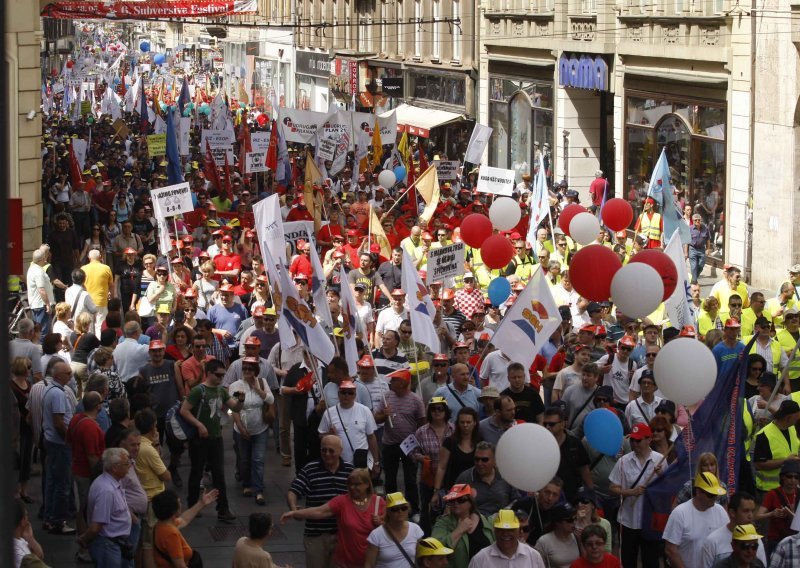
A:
x: 393, y: 456
x: 633, y: 544
x: 306, y: 445
x: 209, y: 451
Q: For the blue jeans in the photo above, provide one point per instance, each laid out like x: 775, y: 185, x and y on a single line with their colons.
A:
x: 697, y: 258
x: 59, y: 482
x: 136, y: 533
x: 41, y: 317
x: 107, y: 554
x: 251, y: 459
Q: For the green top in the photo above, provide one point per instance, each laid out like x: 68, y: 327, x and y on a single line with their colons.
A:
x: 442, y: 531
x: 212, y: 407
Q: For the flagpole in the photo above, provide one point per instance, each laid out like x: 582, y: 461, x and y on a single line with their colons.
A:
x: 369, y: 232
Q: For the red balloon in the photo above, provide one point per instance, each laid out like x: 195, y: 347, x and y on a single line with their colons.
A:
x: 617, y: 214
x: 70, y: 64
x: 662, y: 264
x: 261, y: 119
x: 591, y: 270
x: 476, y: 228
x: 496, y: 251
x: 567, y: 214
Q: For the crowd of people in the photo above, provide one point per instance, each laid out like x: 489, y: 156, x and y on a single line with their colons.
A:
x: 137, y: 360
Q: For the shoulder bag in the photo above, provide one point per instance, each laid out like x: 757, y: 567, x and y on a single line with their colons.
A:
x: 267, y: 409
x: 400, y: 547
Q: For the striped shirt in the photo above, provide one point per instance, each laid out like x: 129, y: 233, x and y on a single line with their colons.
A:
x: 318, y: 486
x: 385, y: 365
x: 406, y: 412
x: 429, y: 442
x: 787, y: 553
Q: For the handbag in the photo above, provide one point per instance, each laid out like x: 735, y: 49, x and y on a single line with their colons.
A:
x: 267, y: 409
x: 428, y: 475
x: 144, y: 308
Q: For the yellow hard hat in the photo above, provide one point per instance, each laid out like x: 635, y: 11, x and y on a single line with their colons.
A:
x: 745, y: 532
x: 506, y: 519
x: 419, y: 367
x: 432, y: 547
x: 709, y: 483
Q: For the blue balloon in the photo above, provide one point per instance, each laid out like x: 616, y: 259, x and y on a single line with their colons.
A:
x: 603, y: 431
x: 205, y: 109
x: 144, y: 46
x: 159, y: 59
x: 400, y: 173
x: 499, y: 290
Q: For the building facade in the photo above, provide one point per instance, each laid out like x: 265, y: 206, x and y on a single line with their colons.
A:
x: 601, y: 85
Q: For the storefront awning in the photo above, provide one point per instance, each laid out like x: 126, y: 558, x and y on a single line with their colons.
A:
x: 423, y: 119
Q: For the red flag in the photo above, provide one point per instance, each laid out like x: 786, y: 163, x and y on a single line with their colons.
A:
x: 122, y: 85
x: 228, y: 194
x: 272, y: 150
x: 210, y: 168
x: 423, y: 160
x: 411, y: 177
x: 245, y: 146
x: 75, y: 177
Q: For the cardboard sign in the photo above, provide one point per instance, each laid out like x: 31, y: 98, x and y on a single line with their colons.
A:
x: 220, y: 142
x: 496, y: 180
x: 260, y: 141
x: 447, y: 170
x: 121, y: 129
x: 445, y: 262
x: 156, y: 145
x: 326, y: 149
x: 86, y: 107
x: 172, y: 200
x: 255, y: 162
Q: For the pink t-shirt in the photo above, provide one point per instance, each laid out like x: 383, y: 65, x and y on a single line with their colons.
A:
x: 354, y: 528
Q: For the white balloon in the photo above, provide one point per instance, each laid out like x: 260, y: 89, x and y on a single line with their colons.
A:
x: 528, y: 456
x: 387, y: 179
x: 504, y: 213
x: 584, y: 228
x: 637, y: 289
x: 685, y: 370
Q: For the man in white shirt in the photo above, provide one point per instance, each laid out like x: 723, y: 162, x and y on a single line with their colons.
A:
x: 40, y: 291
x: 78, y: 298
x: 390, y: 318
x: 741, y: 510
x: 354, y: 424
x: 690, y: 523
x: 507, y: 550
x: 642, y: 409
x: 494, y: 370
x: 618, y: 369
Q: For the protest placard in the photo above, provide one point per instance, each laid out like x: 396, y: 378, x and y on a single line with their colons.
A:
x: 156, y: 145
x: 260, y: 141
x: 326, y: 149
x: 220, y: 142
x: 445, y: 262
x: 496, y: 180
x: 255, y: 162
x: 447, y: 170
x: 172, y: 200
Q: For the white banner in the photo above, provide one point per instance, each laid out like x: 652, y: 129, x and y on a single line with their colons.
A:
x: 445, y: 262
x: 447, y: 170
x: 338, y: 123
x: 259, y: 141
x: 269, y: 227
x: 326, y: 149
x: 172, y: 200
x: 255, y: 162
x: 477, y: 143
x: 220, y: 142
x: 294, y: 231
x: 679, y: 304
x: 79, y: 146
x: 388, y: 129
x: 300, y: 125
x: 496, y: 180
x: 184, y: 129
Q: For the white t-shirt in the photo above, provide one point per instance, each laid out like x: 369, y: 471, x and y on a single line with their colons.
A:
x: 358, y: 421
x: 495, y: 370
x: 389, y: 556
x: 37, y: 278
x: 619, y: 377
x: 718, y: 546
x: 566, y: 377
x: 389, y: 319
x: 688, y: 528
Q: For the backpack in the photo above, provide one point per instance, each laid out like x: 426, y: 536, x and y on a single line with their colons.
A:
x: 177, y: 424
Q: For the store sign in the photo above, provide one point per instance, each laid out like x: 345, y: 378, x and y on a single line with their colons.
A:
x: 392, y: 86
x: 344, y: 77
x: 584, y: 72
x: 314, y: 64
x: 414, y: 130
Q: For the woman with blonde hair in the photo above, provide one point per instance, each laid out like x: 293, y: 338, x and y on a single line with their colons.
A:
x: 357, y: 513
x: 708, y: 318
x: 394, y: 543
x: 706, y: 463
x: 62, y: 324
x: 84, y: 342
x: 206, y: 286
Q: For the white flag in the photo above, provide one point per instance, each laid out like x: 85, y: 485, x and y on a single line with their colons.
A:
x: 477, y: 143
x: 269, y: 228
x: 284, y: 330
x: 540, y: 201
x: 318, y: 287
x: 529, y: 322
x: 420, y: 306
x: 679, y: 304
x: 349, y: 324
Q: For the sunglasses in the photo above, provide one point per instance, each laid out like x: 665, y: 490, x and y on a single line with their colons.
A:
x: 347, y: 392
x: 551, y: 424
x: 433, y: 408
x: 190, y: 310
x: 399, y: 509
x: 461, y: 500
x: 626, y: 348
x: 749, y: 546
x: 651, y: 354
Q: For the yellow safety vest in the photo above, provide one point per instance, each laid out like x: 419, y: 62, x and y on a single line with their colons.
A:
x: 749, y: 320
x: 524, y: 269
x: 747, y: 420
x: 774, y: 346
x: 14, y: 284
x: 767, y: 479
x: 650, y: 227
x: 787, y: 343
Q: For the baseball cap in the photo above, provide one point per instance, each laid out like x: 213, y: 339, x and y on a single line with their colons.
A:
x: 156, y: 344
x: 489, y: 392
x: 641, y: 431
x: 647, y: 374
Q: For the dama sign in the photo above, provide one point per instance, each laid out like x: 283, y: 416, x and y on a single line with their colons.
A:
x: 584, y: 72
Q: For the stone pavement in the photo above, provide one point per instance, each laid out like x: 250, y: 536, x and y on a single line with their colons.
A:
x: 215, y: 540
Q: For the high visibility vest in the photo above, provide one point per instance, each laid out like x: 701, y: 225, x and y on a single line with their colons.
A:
x: 774, y: 347
x: 767, y: 479
x: 650, y: 227
x: 14, y: 283
x: 747, y: 421
x: 524, y: 269
x: 787, y: 343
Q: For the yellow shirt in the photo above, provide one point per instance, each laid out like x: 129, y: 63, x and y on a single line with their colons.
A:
x: 722, y: 292
x: 99, y: 281
x: 148, y: 467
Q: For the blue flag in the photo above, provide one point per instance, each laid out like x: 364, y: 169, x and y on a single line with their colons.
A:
x: 716, y: 427
x: 661, y: 191
x: 174, y: 172
x: 143, y: 116
x: 184, y: 98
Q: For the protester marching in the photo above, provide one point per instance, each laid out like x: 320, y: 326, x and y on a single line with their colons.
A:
x: 468, y: 373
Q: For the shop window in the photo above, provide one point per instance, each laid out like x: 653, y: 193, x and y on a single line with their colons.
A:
x: 521, y: 144
x: 708, y: 172
x: 456, y: 31
x: 435, y: 48
x: 639, y: 150
x: 498, y: 143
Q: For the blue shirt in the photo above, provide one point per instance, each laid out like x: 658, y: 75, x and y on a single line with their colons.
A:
x: 727, y: 358
x: 700, y: 237
x: 228, y: 319
x: 468, y: 397
x: 108, y: 507
x: 55, y: 402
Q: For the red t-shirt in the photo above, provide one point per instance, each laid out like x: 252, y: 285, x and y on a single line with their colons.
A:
x: 609, y: 561
x: 228, y: 262
x: 354, y: 528
x: 779, y: 528
x: 301, y: 264
x: 297, y: 214
x: 597, y: 190
x: 86, y: 439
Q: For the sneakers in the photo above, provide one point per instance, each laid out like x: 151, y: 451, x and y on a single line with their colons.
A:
x: 83, y: 557
x: 62, y: 529
x: 226, y: 516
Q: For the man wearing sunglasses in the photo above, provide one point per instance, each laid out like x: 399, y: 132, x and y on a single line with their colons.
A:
x: 723, y: 541
x: 618, y: 369
x: 493, y: 492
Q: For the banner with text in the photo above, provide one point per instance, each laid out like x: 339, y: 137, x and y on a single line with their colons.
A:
x: 496, y: 180
x: 260, y: 141
x: 445, y: 262
x: 255, y: 162
x: 220, y: 142
x: 156, y: 145
x: 172, y: 200
x: 300, y: 125
x: 447, y: 170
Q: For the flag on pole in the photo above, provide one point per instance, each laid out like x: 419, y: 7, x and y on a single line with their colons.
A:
x: 210, y: 168
x: 428, y: 187
x: 679, y: 305
x: 228, y: 192
x: 184, y: 98
x: 423, y: 159
x: 269, y: 227
x: 75, y: 177
x: 276, y: 283
x: 318, y: 287
x: 528, y: 323
x: 312, y: 177
x: 405, y: 150
x: 271, y: 160
x: 540, y: 201
x: 174, y: 170
x: 245, y: 146
x: 378, y: 234
x: 143, y: 115
x: 421, y: 310
x: 661, y: 191
x: 350, y: 324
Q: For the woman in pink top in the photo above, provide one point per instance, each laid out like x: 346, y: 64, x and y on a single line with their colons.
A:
x: 357, y: 513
